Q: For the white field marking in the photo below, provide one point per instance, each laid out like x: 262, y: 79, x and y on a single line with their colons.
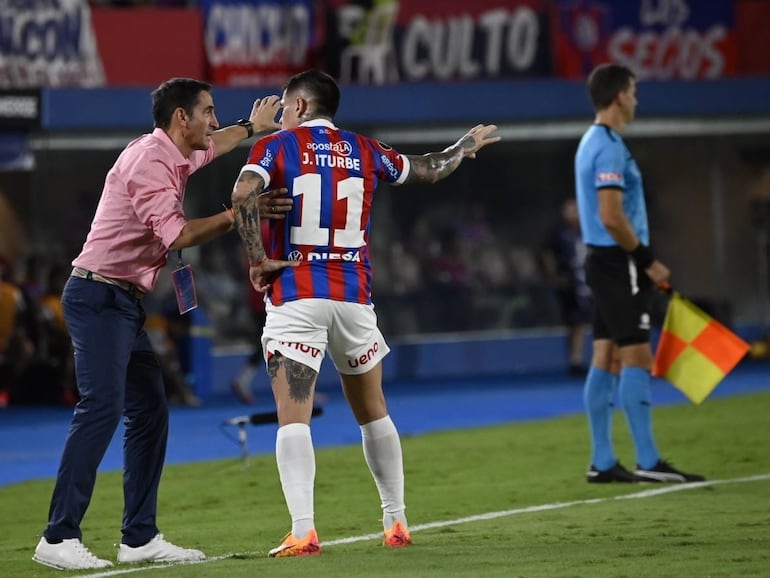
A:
x: 651, y: 493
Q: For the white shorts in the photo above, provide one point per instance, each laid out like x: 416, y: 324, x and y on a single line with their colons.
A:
x: 302, y: 330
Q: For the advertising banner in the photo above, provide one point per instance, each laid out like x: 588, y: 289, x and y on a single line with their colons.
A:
x: 19, y: 110
x: 752, y: 26
x: 657, y: 39
x: 164, y: 42
x: 48, y: 43
x: 259, y: 42
x: 451, y: 40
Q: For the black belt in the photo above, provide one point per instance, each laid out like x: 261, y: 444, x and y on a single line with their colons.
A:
x: 129, y: 288
x: 605, y: 250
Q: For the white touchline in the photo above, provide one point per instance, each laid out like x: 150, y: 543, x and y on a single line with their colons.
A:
x: 657, y: 491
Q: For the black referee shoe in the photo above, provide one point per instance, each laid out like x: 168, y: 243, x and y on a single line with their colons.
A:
x: 665, y: 472
x: 616, y: 473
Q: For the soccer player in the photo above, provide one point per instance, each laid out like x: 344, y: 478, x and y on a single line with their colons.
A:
x: 622, y: 272
x: 324, y: 302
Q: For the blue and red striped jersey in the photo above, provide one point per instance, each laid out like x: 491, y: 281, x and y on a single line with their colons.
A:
x: 331, y: 174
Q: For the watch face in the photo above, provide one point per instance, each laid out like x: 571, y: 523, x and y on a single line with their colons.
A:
x: 247, y: 124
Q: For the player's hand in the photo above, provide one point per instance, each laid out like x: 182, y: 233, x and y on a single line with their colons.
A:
x: 263, y: 114
x: 230, y: 216
x: 477, y: 138
x: 263, y: 275
x: 274, y: 204
x: 658, y: 274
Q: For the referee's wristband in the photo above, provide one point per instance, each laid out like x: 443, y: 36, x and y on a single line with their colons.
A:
x: 643, y: 256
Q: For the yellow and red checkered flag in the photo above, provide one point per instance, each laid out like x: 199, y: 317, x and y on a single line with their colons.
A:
x: 695, y: 351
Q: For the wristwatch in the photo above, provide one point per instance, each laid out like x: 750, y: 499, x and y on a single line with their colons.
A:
x: 246, y: 123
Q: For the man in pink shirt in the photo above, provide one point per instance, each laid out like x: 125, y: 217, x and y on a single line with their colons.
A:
x: 139, y: 219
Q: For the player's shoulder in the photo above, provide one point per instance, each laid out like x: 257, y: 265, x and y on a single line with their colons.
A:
x: 363, y: 144
x: 376, y: 145
x: 276, y: 136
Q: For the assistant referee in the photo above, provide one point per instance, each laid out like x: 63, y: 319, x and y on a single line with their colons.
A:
x: 622, y: 272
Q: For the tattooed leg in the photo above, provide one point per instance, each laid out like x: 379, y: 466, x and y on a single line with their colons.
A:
x: 293, y: 387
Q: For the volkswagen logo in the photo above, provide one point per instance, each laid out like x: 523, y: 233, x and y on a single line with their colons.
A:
x: 295, y: 256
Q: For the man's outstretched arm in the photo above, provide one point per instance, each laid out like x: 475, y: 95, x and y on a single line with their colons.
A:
x: 432, y: 167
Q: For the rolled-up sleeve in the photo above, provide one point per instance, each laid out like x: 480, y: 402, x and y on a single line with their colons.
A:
x: 199, y: 159
x: 157, y: 201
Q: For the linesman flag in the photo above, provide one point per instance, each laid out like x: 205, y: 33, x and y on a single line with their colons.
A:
x: 695, y: 351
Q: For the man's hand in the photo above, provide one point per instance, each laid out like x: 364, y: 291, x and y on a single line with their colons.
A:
x: 432, y: 167
x: 658, y: 273
x: 274, y: 204
x: 263, y: 114
x: 477, y: 138
x: 263, y: 275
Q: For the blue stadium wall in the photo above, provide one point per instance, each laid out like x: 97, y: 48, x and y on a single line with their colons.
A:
x: 106, y: 109
x: 428, y: 358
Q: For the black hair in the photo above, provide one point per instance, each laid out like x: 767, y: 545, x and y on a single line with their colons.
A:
x: 321, y: 86
x: 175, y: 93
x: 606, y: 81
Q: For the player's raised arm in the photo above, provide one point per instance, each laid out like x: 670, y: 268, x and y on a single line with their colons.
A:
x: 432, y: 167
x: 261, y: 120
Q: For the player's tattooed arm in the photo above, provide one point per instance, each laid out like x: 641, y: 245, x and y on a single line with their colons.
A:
x: 432, y: 167
x: 245, y: 201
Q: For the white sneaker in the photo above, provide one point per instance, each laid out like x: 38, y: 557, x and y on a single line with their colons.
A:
x: 158, y: 550
x: 67, y: 555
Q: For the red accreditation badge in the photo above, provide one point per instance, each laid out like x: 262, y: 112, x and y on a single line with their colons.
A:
x: 184, y: 287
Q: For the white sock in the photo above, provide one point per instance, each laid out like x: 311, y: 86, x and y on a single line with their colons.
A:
x: 296, y: 466
x: 382, y: 450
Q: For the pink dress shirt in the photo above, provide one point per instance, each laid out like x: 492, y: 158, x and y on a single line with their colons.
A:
x: 140, y: 212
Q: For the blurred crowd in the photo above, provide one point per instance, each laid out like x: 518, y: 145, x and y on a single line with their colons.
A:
x: 36, y: 362
x: 447, y: 273
x: 442, y: 267
x: 36, y: 356
x: 442, y: 273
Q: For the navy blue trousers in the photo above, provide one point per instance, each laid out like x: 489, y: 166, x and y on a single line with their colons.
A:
x: 117, y: 375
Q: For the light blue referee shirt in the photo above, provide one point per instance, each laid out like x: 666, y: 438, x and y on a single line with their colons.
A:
x: 602, y: 160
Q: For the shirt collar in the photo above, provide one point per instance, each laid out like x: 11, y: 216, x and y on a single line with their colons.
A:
x: 319, y: 122
x: 170, y: 147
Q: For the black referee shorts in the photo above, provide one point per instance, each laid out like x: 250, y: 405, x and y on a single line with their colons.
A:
x: 622, y: 296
